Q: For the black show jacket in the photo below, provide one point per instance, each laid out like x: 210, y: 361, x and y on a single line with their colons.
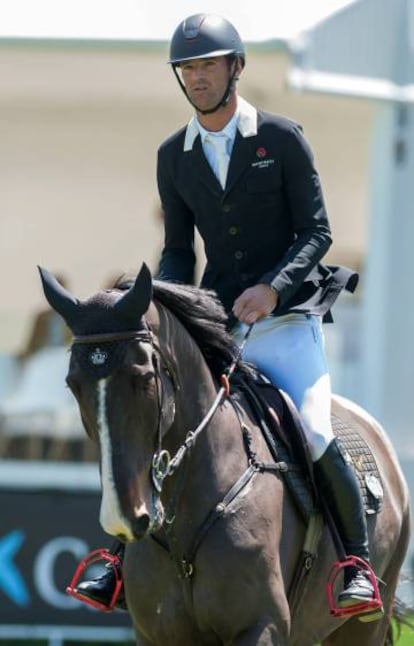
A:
x: 268, y: 225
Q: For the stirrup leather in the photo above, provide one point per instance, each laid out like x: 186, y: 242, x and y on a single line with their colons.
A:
x: 93, y: 557
x: 358, y: 608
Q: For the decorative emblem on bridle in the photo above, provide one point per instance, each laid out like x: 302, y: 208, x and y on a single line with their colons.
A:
x: 98, y: 357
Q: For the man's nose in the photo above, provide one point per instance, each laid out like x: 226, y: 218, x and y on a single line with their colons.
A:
x: 198, y: 72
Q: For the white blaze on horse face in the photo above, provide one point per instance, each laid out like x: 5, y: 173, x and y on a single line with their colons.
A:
x: 111, y: 517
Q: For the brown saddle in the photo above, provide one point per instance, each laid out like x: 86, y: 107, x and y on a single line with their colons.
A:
x: 282, y: 428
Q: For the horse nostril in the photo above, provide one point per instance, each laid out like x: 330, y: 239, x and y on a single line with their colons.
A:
x: 140, y: 525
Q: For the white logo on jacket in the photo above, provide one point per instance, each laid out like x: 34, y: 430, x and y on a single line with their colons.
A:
x: 262, y: 163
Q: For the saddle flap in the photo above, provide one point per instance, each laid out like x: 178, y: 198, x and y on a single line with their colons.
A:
x: 274, y: 409
x: 276, y: 417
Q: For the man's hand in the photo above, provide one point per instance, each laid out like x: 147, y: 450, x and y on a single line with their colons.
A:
x: 255, y: 303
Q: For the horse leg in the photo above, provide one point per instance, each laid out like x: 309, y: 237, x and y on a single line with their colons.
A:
x: 263, y: 634
x: 355, y: 632
x: 141, y: 641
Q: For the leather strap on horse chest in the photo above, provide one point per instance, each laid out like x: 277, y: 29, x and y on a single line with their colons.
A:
x: 221, y: 507
x: 185, y: 562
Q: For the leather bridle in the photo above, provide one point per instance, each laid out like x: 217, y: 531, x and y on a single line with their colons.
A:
x: 163, y: 464
x: 160, y: 466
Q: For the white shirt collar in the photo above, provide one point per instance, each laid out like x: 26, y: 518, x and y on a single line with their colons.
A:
x: 245, y: 120
x: 228, y: 131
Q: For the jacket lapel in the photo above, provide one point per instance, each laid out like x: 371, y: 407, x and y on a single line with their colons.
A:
x: 240, y: 160
x: 198, y: 164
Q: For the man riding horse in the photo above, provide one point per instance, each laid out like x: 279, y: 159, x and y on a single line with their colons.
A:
x: 246, y: 179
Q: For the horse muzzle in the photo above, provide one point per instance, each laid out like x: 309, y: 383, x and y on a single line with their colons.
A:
x: 139, y: 526
x: 132, y: 522
x: 146, y: 522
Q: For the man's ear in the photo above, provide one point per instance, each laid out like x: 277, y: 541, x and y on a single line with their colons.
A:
x: 239, y: 67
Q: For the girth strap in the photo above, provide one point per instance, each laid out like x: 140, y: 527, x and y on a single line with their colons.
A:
x: 305, y: 562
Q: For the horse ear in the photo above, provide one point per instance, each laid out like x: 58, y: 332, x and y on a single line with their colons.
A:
x: 138, y: 298
x: 58, y: 297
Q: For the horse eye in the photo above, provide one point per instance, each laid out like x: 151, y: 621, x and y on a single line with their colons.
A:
x: 142, y: 378
x: 148, y: 378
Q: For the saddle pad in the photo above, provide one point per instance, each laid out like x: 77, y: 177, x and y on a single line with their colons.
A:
x: 288, y: 444
x: 357, y: 452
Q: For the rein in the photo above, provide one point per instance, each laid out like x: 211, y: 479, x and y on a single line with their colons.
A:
x: 163, y: 465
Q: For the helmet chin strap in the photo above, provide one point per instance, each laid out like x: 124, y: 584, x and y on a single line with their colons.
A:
x: 224, y: 99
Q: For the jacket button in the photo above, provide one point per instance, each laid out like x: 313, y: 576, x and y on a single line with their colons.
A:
x: 233, y: 231
x: 226, y: 208
x: 238, y: 255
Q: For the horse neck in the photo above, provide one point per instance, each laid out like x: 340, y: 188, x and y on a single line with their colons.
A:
x: 217, y: 458
x: 195, y: 386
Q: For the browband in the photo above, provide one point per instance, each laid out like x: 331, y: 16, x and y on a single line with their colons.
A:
x: 139, y: 335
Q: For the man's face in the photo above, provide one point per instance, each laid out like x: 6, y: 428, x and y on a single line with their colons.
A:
x: 205, y: 80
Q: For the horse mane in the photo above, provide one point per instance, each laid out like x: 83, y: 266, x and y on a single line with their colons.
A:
x: 202, y: 315
x: 204, y: 318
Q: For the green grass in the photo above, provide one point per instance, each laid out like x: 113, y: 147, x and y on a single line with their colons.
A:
x: 407, y: 637
x: 43, y: 642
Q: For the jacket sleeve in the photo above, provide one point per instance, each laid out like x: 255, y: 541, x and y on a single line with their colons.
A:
x: 309, y: 221
x: 177, y: 257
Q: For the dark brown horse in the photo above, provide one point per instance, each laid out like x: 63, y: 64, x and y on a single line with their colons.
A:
x: 206, y: 564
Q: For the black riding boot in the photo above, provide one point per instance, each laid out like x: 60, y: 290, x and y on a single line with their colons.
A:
x: 339, y: 488
x: 101, y: 589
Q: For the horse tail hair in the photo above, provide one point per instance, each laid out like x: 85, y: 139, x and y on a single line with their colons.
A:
x: 401, y: 616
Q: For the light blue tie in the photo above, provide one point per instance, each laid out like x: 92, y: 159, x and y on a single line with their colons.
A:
x: 221, y: 145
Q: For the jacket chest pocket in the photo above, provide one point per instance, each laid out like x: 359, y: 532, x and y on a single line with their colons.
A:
x: 263, y: 180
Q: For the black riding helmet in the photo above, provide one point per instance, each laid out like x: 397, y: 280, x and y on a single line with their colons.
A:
x: 205, y: 36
